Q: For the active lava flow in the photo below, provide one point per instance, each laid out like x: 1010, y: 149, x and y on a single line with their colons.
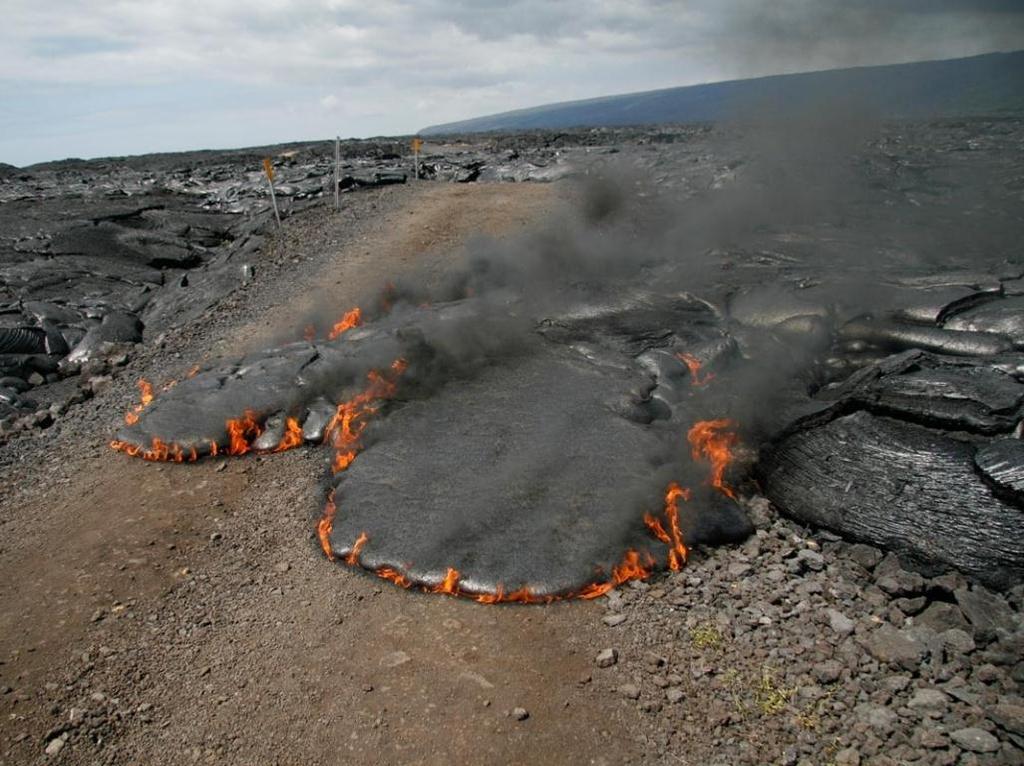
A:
x: 693, y: 364
x: 634, y: 566
x: 145, y: 397
x: 344, y: 431
x: 710, y: 441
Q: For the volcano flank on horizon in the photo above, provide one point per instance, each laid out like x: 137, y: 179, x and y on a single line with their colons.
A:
x: 990, y: 84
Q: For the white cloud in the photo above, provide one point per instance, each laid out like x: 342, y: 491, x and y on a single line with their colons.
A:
x: 396, y: 65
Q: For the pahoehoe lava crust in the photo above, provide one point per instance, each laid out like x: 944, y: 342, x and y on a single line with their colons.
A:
x: 851, y: 474
x: 527, y: 468
x: 523, y: 477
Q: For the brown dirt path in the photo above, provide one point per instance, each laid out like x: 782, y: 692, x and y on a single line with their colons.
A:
x: 176, y: 614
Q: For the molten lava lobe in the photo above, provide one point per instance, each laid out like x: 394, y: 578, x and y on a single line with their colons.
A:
x: 497, y: 476
x: 520, y: 482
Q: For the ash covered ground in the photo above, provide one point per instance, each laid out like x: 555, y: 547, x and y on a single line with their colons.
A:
x: 842, y: 292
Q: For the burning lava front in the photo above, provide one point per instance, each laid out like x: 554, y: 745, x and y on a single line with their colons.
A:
x: 711, y: 444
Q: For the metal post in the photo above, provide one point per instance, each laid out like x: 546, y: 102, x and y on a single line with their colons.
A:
x: 337, y: 173
x: 268, y: 168
x: 273, y: 200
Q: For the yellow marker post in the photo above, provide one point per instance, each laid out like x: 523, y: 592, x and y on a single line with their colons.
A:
x: 268, y: 168
x: 417, y: 144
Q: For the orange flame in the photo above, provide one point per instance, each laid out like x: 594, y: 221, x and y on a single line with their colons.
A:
x: 710, y: 441
x: 326, y: 524
x: 673, y: 538
x: 357, y: 547
x: 242, y: 432
x: 353, y: 318
x: 694, y: 365
x: 343, y: 460
x: 449, y: 585
x: 393, y: 576
x: 145, y: 399
x: 521, y: 596
x: 633, y: 567
x: 292, y: 436
x: 161, y: 451
x: 349, y: 420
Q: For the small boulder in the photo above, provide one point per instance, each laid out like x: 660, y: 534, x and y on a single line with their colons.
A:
x: 895, y: 647
x: 975, y: 740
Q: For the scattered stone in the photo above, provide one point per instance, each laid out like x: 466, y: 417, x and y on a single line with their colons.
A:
x: 282, y: 567
x: 1009, y: 716
x: 55, y: 745
x: 848, y: 757
x: 394, y: 659
x: 612, y: 620
x: 520, y: 713
x: 900, y: 582
x: 810, y: 560
x: 931, y: 700
x: 985, y: 611
x: 889, y: 645
x: 607, y: 657
x: 959, y: 642
x: 911, y: 606
x: 865, y: 555
x: 629, y: 691
x: 987, y: 673
x: 840, y: 623
x: 878, y: 717
x: 674, y: 695
x: 932, y: 739
x: 941, y: 617
x: 975, y: 740
x: 828, y: 672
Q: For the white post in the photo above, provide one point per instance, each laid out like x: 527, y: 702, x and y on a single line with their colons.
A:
x: 273, y: 200
x: 337, y: 172
x: 268, y: 168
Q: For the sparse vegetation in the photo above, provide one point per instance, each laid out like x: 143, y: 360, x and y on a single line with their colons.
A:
x: 761, y: 694
x: 707, y: 635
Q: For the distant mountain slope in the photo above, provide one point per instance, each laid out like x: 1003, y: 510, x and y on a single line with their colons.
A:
x: 988, y: 84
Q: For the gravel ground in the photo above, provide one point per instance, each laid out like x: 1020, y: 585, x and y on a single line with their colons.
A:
x: 797, y: 648
x: 169, y: 614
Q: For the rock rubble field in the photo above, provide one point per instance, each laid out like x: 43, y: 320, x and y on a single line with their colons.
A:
x: 845, y: 589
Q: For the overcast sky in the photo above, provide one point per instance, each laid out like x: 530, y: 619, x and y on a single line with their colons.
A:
x: 98, y: 78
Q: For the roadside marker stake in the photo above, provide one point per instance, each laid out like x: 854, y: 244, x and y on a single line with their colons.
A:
x: 417, y: 144
x: 337, y: 172
x: 268, y: 168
